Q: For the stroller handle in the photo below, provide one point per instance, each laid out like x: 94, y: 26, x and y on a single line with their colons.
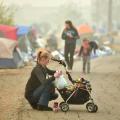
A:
x: 65, y: 66
x: 59, y: 61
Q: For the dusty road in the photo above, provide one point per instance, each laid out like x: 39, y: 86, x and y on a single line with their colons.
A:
x: 105, y: 80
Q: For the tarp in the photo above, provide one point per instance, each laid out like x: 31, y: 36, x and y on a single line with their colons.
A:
x: 84, y: 29
x: 9, y: 32
x: 22, y: 30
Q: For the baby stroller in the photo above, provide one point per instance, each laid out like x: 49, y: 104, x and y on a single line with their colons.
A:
x: 78, y: 95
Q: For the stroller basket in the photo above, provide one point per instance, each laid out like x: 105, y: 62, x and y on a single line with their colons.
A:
x: 78, y: 96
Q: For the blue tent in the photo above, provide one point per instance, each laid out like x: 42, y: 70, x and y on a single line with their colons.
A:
x: 23, y: 30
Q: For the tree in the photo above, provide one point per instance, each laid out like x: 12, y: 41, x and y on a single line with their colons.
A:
x: 6, y: 14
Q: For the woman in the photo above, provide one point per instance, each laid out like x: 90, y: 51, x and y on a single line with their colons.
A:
x: 70, y: 35
x: 40, y: 89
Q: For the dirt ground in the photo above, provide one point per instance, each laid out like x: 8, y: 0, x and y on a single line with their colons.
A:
x: 105, y: 80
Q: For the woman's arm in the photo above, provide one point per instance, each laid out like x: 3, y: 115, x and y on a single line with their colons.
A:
x: 42, y: 78
x: 81, y: 50
x: 64, y: 36
x: 50, y: 72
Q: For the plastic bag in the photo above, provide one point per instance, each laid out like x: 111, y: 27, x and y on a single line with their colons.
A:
x: 60, y: 82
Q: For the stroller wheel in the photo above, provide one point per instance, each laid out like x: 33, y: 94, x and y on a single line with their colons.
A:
x: 61, y: 104
x: 95, y: 108
x: 64, y: 106
x: 92, y: 108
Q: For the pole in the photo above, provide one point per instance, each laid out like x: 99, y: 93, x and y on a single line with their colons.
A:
x: 110, y: 16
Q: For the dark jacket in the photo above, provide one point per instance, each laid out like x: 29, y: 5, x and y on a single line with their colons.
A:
x: 71, y: 31
x: 38, y: 78
x: 93, y: 46
x: 88, y: 53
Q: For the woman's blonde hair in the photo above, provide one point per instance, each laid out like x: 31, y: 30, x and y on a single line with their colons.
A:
x: 43, y: 53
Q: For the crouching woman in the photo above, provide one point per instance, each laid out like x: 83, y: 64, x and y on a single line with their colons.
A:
x: 39, y: 88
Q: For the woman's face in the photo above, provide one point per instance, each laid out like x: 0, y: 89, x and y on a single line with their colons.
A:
x: 67, y: 26
x: 44, y: 61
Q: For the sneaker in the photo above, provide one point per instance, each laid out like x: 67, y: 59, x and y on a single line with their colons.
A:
x: 47, y: 109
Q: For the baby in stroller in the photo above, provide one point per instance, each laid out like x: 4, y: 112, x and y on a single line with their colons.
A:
x: 77, y: 94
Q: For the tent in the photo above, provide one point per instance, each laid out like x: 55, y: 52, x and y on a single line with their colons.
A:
x: 22, y: 30
x: 10, y: 56
x: 84, y: 29
x: 8, y: 32
x: 26, y: 38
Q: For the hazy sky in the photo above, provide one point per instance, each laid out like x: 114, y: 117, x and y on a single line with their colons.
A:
x: 44, y: 2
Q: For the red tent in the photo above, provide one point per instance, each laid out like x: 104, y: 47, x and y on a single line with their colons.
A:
x: 84, y: 29
x: 9, y: 32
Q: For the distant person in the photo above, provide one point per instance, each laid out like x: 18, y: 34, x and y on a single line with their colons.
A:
x: 85, y: 52
x: 39, y: 88
x: 70, y: 35
x: 93, y: 46
x: 52, y: 42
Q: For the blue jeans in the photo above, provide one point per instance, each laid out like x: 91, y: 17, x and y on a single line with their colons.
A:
x: 42, y: 96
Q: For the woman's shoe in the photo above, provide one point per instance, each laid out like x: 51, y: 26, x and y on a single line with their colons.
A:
x: 44, y: 108
x: 47, y: 109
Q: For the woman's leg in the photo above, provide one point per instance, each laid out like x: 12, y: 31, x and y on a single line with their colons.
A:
x: 72, y: 50
x: 33, y: 98
x: 84, y: 64
x: 88, y: 64
x: 44, y: 99
x: 42, y: 95
x: 66, y: 54
x: 47, y: 96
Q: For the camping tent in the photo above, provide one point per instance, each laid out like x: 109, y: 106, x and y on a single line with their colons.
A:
x: 23, y: 30
x: 8, y: 32
x: 26, y: 38
x: 84, y: 29
x: 9, y: 55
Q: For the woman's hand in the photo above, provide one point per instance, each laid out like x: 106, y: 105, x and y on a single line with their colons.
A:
x: 57, y: 74
x: 70, y: 36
